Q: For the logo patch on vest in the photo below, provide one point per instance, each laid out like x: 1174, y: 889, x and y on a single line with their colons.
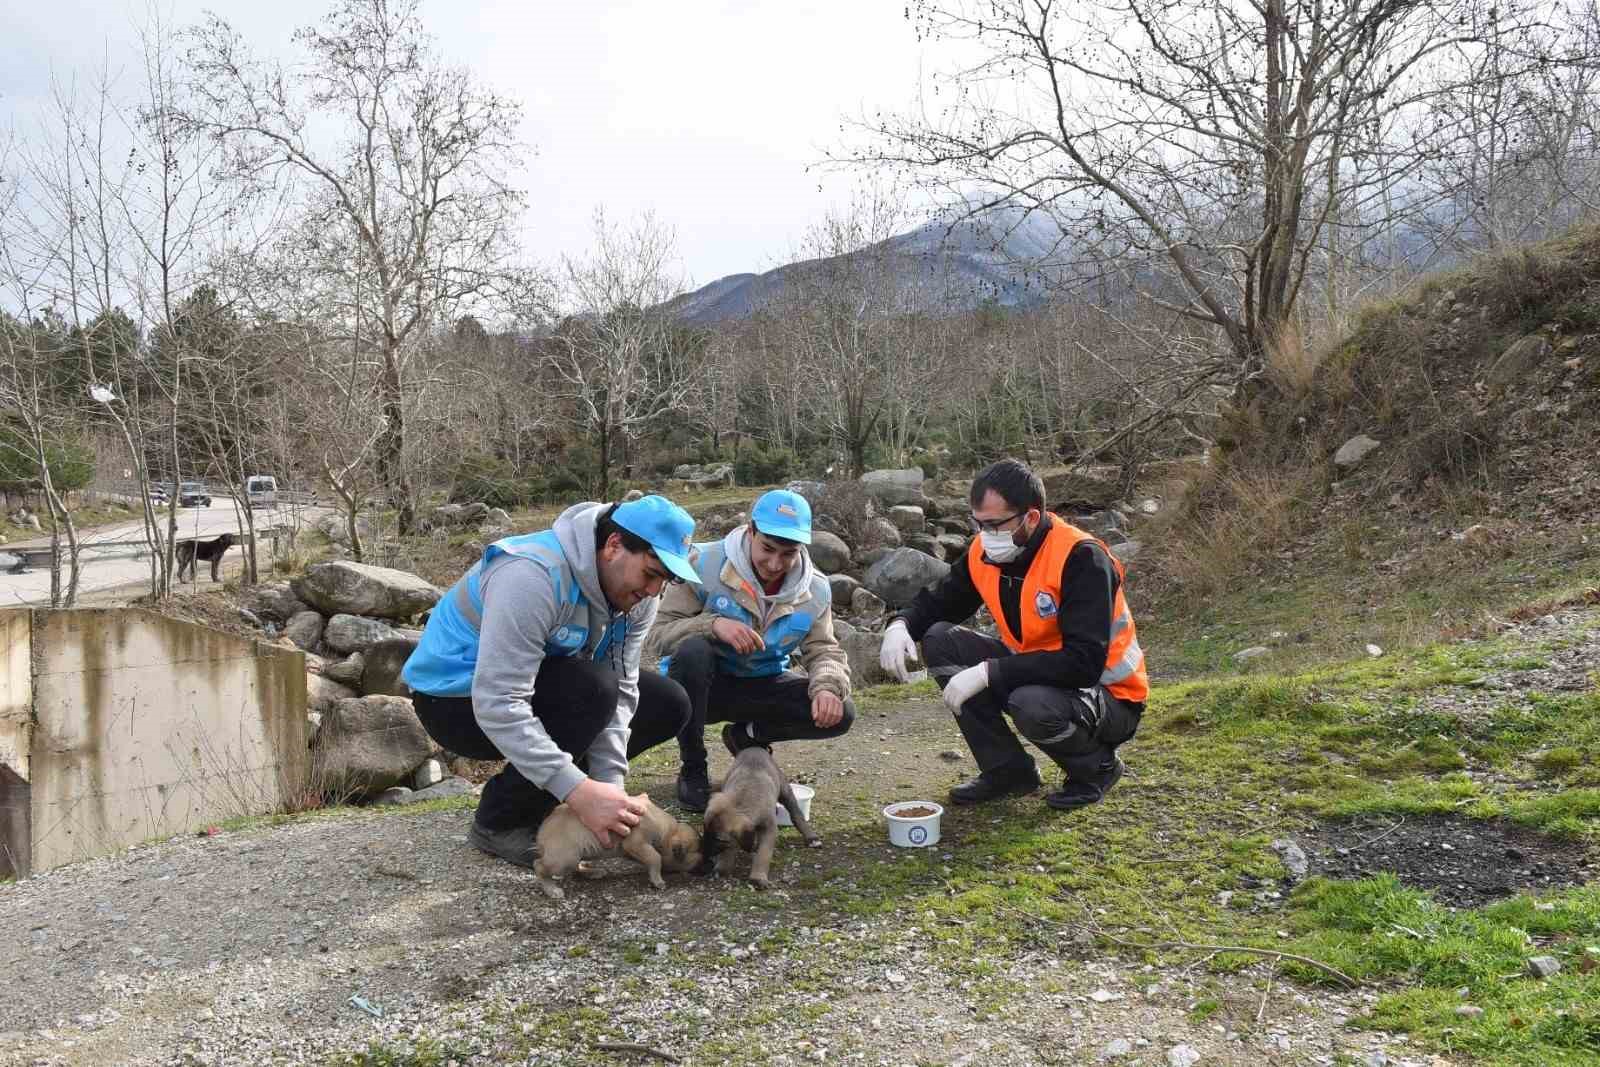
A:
x: 1044, y: 604
x: 564, y: 634
x: 723, y: 603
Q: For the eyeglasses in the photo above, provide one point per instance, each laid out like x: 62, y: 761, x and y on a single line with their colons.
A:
x: 993, y: 525
x: 665, y: 577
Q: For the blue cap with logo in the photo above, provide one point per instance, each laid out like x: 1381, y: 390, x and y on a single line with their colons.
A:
x: 781, y: 513
x: 667, y: 527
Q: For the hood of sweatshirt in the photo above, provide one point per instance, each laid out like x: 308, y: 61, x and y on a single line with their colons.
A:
x: 796, y: 583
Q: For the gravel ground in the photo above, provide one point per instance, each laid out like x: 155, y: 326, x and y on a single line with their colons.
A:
x: 246, y: 948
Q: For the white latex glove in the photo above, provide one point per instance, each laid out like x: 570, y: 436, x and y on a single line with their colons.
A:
x: 897, y: 647
x: 965, y: 685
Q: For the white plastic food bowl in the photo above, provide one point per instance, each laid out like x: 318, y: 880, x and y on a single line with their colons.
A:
x: 802, y: 796
x: 913, y: 831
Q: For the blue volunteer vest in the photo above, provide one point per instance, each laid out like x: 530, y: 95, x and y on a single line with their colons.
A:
x: 783, y: 636
x: 447, y: 655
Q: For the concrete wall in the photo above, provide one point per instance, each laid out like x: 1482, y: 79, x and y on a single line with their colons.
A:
x: 145, y: 727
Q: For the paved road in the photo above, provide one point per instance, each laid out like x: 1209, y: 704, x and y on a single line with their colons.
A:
x: 116, y: 566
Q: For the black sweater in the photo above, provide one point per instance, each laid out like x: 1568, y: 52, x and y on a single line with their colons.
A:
x: 1088, y: 590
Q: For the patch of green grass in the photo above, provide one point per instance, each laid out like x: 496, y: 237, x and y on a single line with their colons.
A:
x: 423, y: 1052
x: 1377, y: 930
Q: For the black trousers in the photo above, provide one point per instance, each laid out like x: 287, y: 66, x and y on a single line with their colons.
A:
x: 573, y: 699
x: 1079, y: 729
x: 779, y: 705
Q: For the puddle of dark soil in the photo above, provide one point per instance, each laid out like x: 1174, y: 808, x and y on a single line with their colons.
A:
x: 1463, y: 862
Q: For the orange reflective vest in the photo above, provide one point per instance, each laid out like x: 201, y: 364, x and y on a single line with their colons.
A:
x: 1124, y: 676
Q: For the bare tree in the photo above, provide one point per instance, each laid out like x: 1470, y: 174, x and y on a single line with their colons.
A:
x: 1218, y: 135
x: 619, y: 362
x: 415, y: 177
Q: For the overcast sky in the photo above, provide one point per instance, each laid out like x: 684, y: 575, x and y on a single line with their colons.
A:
x: 706, y: 111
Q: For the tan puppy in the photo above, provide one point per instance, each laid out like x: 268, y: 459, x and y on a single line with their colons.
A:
x: 743, y: 810
x: 659, y: 842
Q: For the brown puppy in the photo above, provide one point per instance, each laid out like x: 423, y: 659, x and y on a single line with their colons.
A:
x: 744, y: 810
x: 659, y: 842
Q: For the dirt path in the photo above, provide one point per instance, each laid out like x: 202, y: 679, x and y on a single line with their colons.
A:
x: 246, y: 947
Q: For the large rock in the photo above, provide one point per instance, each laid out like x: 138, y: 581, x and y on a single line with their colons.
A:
x: 1354, y: 450
x: 336, y: 529
x: 953, y: 545
x: 883, y: 532
x: 925, y: 543
x: 322, y: 693
x: 355, y: 633
x: 274, y: 601
x: 1517, y: 360
x: 908, y: 518
x: 366, y: 745
x: 342, y: 587
x: 900, y: 575
x: 304, y: 628
x: 873, y: 555
x: 812, y: 491
x: 861, y: 646
x: 829, y: 552
x: 894, y: 486
x: 381, y: 673
x: 866, y: 604
x: 712, y: 475
x: 347, y: 671
x: 842, y: 586
x: 461, y: 515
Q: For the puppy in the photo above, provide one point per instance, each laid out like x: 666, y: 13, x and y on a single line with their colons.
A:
x: 743, y: 810
x: 659, y: 842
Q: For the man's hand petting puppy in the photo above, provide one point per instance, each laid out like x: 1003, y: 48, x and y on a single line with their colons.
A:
x: 607, y: 811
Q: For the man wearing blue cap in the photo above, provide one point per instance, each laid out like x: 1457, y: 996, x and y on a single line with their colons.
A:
x: 729, y: 640
x: 533, y: 657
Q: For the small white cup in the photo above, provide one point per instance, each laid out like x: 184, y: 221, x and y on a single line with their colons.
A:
x: 802, y: 796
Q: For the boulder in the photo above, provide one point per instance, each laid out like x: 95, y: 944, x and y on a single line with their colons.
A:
x: 355, y: 633
x: 304, y: 628
x: 866, y: 604
x: 894, y: 486
x: 712, y: 475
x: 274, y: 601
x: 448, y: 787
x: 335, y: 529
x: 900, y: 575
x: 1077, y: 491
x: 828, y: 551
x: 873, y: 555
x: 1516, y: 361
x: 323, y: 693
x: 384, y: 660
x: 953, y: 544
x: 428, y: 772
x: 342, y: 587
x: 631, y: 495
x: 908, y: 518
x: 843, y: 587
x: 925, y: 543
x: 884, y: 532
x: 1126, y: 550
x: 861, y: 646
x: 346, y: 671
x: 457, y: 516
x: 367, y: 745
x: 1354, y: 450
x: 812, y: 491
x: 499, y: 516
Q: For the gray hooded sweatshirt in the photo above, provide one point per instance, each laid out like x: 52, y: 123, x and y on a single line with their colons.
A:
x: 521, y: 608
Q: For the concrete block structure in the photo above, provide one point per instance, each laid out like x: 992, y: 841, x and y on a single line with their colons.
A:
x: 119, y: 726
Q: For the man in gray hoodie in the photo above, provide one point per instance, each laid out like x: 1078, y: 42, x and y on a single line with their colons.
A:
x: 533, y: 657
x: 730, y: 641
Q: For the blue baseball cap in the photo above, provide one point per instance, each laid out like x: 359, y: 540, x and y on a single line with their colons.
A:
x: 668, y: 529
x: 781, y: 513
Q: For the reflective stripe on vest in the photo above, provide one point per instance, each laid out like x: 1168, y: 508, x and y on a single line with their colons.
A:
x: 1124, y: 674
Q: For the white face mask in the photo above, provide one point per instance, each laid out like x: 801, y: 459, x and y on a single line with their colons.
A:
x: 999, y: 547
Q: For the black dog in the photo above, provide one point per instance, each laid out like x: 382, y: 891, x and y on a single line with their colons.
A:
x: 209, y: 550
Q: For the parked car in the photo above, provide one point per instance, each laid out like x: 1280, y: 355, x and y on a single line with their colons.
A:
x: 193, y: 495
x: 158, y: 495
x: 261, y: 490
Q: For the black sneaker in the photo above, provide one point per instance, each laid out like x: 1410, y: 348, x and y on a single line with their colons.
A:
x: 992, y: 786
x: 736, y: 737
x: 1082, y: 794
x: 694, y: 789
x: 517, y: 845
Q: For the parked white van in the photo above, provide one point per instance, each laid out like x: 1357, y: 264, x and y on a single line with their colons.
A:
x: 261, y: 490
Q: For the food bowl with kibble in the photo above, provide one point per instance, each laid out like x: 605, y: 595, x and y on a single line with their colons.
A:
x: 913, y: 823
